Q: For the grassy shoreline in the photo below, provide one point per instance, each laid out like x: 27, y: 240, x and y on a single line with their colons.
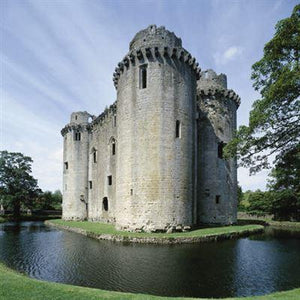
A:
x: 15, y: 286
x: 108, y: 232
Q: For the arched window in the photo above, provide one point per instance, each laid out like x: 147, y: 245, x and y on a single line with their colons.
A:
x: 94, y: 154
x: 178, y: 129
x: 112, y: 143
x: 105, y: 204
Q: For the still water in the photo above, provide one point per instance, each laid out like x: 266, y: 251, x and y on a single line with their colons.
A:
x: 248, y: 266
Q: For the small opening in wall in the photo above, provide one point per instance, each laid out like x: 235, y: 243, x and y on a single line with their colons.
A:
x: 91, y: 184
x: 66, y: 165
x: 131, y: 192
x: 218, y: 198
x: 221, y: 146
x: 77, y: 136
x: 109, y: 179
x: 75, y: 117
x: 178, y: 129
x: 105, y: 203
x: 95, y: 156
x: 143, y: 77
x: 113, y: 148
x: 115, y: 121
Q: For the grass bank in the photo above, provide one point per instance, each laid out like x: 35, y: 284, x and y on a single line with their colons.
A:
x: 16, y: 286
x: 2, y: 220
x: 244, y: 218
x: 108, y: 232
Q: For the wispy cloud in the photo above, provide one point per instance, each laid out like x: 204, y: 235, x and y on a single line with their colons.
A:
x: 59, y: 56
x: 230, y: 54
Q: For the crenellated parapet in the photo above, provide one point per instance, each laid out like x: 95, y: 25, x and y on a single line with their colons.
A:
x: 155, y: 44
x: 109, y: 111
x: 211, y: 84
x: 75, y: 127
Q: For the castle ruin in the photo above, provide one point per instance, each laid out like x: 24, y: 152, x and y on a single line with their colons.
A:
x: 153, y: 161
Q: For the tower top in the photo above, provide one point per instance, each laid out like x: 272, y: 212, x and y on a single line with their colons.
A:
x: 155, y: 36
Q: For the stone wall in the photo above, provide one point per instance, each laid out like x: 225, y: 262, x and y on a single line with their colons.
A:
x: 217, y: 187
x: 75, y: 166
x: 155, y: 183
x: 102, y: 164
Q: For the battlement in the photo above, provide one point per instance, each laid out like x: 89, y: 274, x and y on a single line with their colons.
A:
x: 155, y: 44
x: 154, y: 36
x: 211, y: 84
x: 111, y: 110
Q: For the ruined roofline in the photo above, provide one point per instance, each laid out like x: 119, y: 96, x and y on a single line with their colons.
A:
x: 95, y: 120
x: 111, y: 109
x: 228, y: 93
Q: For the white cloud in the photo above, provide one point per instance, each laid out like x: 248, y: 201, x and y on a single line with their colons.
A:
x: 230, y: 54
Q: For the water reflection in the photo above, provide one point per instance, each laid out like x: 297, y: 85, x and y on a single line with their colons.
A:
x: 248, y: 266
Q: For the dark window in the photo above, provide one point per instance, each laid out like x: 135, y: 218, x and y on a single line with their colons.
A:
x: 221, y: 146
x: 91, y: 184
x: 109, y: 179
x: 131, y: 192
x: 66, y: 165
x: 178, y: 129
x: 105, y: 203
x: 77, y: 136
x: 113, y: 145
x: 115, y: 121
x: 95, y: 156
x: 143, y: 77
x: 218, y: 198
x: 75, y: 117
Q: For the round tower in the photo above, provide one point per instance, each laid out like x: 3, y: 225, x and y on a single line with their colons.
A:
x: 75, y: 164
x: 217, y: 177
x: 156, y: 97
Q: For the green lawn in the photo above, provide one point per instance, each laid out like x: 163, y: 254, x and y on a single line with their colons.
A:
x: 16, y: 286
x: 101, y: 228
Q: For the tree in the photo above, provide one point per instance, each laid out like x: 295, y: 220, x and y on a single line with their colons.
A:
x: 260, y: 203
x: 274, y: 122
x: 48, y: 201
x: 17, y: 186
x: 285, y: 183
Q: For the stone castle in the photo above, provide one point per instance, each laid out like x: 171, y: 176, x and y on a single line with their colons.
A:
x: 153, y: 161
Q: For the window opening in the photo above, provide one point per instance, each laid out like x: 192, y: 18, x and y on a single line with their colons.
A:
x: 143, y: 77
x: 113, y: 148
x: 131, y: 192
x: 75, y: 117
x: 221, y: 146
x: 218, y: 198
x: 109, y: 179
x: 115, y: 121
x: 178, y: 129
x: 95, y: 156
x: 66, y: 165
x: 105, y: 203
x: 77, y: 136
x: 91, y: 184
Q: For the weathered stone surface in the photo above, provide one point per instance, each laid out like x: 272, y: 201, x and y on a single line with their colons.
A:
x: 144, y: 177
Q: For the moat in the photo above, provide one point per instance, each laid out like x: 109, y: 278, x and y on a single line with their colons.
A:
x: 255, y: 265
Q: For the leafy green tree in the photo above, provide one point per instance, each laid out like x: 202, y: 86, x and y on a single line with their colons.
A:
x: 274, y: 122
x: 285, y: 183
x: 48, y: 201
x: 260, y: 203
x: 17, y: 185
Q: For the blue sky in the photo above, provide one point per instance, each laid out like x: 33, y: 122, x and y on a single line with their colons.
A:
x: 58, y: 56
